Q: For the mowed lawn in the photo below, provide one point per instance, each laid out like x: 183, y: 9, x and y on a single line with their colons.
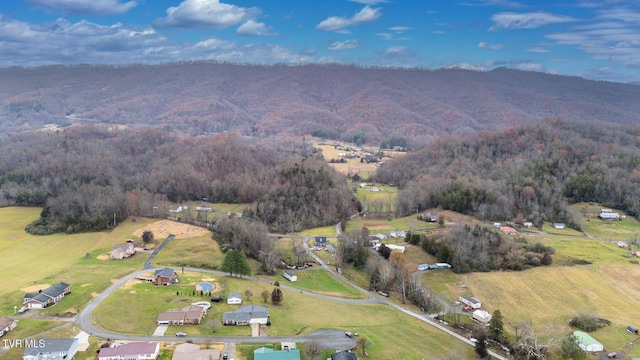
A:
x: 319, y: 281
x: 392, y: 334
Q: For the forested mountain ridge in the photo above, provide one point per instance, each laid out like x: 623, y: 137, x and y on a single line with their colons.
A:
x: 532, y: 172
x: 334, y: 101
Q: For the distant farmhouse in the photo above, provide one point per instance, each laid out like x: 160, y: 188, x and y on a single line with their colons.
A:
x: 429, y: 216
x: 48, y: 297
x: 321, y: 242
x: 558, y: 225
x: 607, y: 214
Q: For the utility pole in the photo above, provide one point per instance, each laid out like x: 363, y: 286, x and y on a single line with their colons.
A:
x: 114, y: 220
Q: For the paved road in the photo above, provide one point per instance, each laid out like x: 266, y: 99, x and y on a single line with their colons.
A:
x: 333, y: 339
x: 147, y: 264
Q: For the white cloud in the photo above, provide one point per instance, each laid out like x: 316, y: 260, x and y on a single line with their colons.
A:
x: 367, y: 14
x: 333, y: 23
x: 253, y: 28
x: 529, y: 67
x: 344, y: 45
x: 509, y: 20
x: 505, y: 3
x: 438, y: 32
x: 93, y: 7
x: 339, y: 23
x: 485, y: 45
x: 538, y: 49
x: 399, y: 28
x: 206, y: 14
x: 385, y: 36
x: 370, y: 2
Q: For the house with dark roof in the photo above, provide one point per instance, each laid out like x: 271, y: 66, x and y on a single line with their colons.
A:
x: 429, y: 216
x: 52, y: 349
x: 47, y: 297
x: 246, y: 315
x: 470, y: 301
x: 321, y: 241
x: 165, y: 277
x: 131, y: 351
x: 7, y: 325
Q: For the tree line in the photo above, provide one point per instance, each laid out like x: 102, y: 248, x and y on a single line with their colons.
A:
x: 92, y: 177
x: 532, y: 172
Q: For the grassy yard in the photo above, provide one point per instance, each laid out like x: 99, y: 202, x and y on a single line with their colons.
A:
x: 320, y: 281
x: 200, y: 252
x: 298, y: 315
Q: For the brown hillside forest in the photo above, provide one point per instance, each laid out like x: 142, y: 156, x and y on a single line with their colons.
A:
x: 349, y: 103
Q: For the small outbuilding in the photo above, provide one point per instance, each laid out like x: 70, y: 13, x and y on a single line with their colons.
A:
x: 586, y: 342
x: 234, y: 299
x: 470, y: 301
x: 290, y: 275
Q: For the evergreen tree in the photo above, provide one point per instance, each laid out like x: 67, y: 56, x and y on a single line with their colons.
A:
x: 276, y: 296
x: 235, y: 262
x: 496, y: 326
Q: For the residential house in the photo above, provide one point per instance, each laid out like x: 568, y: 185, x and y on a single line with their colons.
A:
x: 192, y: 314
x: 52, y: 349
x: 527, y: 224
x: 321, y: 242
x: 7, y: 325
x: 48, y: 297
x: 290, y: 275
x: 398, y: 234
x: 265, y: 353
x: 429, y: 216
x: 508, y: 230
x: 165, y: 277
x: 175, y: 209
x: 558, y: 225
x: 189, y: 351
x: 234, y: 299
x: 481, y: 316
x: 344, y: 355
x: 470, y: 301
x: 131, y: 351
x: 586, y: 342
x: 607, y: 214
x: 122, y: 251
x: 246, y: 315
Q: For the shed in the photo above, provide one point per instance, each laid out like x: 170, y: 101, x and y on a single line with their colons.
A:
x: 290, y: 275
x: 234, y: 298
x: 586, y: 342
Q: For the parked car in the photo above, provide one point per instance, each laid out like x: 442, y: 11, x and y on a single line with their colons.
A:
x: 467, y: 308
x: 225, y: 356
x: 348, y: 334
x: 22, y: 309
x: 612, y: 355
x: 180, y: 333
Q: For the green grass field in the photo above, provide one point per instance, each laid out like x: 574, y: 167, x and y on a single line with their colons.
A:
x: 320, y: 281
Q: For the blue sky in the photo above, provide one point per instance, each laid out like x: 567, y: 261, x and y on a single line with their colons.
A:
x: 595, y: 39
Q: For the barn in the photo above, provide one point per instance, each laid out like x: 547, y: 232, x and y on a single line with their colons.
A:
x: 586, y: 342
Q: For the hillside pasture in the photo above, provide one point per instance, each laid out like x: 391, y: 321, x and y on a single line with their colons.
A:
x: 61, y: 253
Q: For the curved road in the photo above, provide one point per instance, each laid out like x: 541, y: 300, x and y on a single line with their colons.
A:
x: 327, y: 338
